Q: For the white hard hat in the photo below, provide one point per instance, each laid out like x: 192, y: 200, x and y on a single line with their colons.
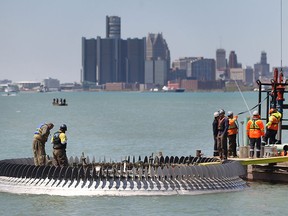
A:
x: 216, y: 114
x: 229, y: 113
x: 255, y: 113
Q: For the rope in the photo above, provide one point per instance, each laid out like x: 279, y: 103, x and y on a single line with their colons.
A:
x: 242, y: 98
x: 253, y: 107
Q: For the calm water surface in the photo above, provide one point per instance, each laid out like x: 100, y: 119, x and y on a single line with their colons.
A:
x: 117, y: 124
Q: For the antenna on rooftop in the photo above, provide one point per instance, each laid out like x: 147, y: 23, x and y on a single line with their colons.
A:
x: 220, y: 40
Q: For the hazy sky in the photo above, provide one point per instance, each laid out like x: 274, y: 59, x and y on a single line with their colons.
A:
x: 42, y: 38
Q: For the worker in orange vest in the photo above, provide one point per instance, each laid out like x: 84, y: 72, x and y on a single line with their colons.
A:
x: 232, y: 134
x: 272, y: 126
x: 255, y: 130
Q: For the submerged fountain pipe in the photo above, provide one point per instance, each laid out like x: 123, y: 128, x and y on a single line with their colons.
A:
x: 160, y: 176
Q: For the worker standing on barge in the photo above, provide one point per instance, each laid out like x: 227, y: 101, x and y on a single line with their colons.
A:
x: 215, y: 133
x: 59, y: 141
x: 232, y: 134
x: 223, y: 125
x: 255, y: 130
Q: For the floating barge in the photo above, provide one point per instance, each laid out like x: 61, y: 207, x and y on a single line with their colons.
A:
x: 271, y: 167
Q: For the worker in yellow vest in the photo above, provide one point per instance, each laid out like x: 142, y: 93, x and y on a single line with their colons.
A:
x: 272, y: 126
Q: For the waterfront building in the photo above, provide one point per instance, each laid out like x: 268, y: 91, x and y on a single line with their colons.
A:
x: 28, y: 85
x: 237, y: 74
x: 51, y: 84
x: 112, y: 59
x: 89, y: 62
x: 135, y: 60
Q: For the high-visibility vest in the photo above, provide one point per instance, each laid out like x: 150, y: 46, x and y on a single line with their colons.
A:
x: 233, y: 129
x: 274, y: 120
x: 255, y: 128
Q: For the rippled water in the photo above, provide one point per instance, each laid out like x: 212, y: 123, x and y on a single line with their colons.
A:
x: 116, y: 124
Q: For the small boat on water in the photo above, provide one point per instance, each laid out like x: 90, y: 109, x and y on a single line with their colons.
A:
x: 167, y: 89
x: 57, y: 102
x: 179, y: 90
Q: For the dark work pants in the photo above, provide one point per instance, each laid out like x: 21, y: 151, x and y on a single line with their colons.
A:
x: 271, y: 136
x: 232, y: 145
x: 253, y: 142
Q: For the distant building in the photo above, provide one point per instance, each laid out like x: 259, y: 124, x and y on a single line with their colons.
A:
x: 249, y: 75
x: 51, y: 84
x: 89, y: 62
x: 134, y: 60
x: 195, y: 85
x: 262, y: 69
x: 221, y: 65
x: 5, y: 81
x: 184, y: 64
x: 112, y: 59
x: 203, y: 69
x: 221, y: 62
x: 108, y: 60
x: 176, y: 74
x: 237, y: 74
x: 233, y: 63
x: 113, y: 27
x: 157, y: 63
x: 28, y: 85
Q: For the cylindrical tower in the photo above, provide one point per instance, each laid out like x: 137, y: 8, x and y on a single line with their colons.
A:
x: 113, y: 27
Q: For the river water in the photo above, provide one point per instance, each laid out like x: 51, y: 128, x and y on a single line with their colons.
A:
x: 113, y: 125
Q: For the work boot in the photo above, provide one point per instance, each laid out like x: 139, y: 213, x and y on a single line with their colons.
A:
x: 251, y: 154
x: 258, y: 154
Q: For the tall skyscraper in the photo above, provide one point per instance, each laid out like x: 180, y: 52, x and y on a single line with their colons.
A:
x: 89, y: 62
x: 263, y: 58
x: 134, y: 60
x: 233, y: 60
x: 157, y: 62
x: 113, y: 27
x: 112, y: 59
x: 221, y: 59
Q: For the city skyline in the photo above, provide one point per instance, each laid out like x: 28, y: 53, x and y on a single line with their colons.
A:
x: 40, y: 40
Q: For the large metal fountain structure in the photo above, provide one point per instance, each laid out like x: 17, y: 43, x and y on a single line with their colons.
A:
x: 151, y: 176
